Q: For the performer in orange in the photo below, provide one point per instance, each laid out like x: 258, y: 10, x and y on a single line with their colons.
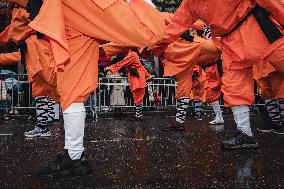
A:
x: 180, y: 58
x: 35, y: 58
x: 245, y: 39
x: 213, y: 93
x: 72, y: 29
x: 271, y: 88
x: 214, y: 83
x: 44, y: 105
x: 198, y: 92
x: 137, y: 76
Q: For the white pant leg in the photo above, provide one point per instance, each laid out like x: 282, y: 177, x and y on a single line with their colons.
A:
x: 74, y: 124
x: 241, y: 117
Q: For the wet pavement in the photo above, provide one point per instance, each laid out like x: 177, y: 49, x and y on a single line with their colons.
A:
x: 138, y: 154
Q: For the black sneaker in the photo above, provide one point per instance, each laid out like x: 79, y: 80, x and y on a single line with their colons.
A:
x: 241, y: 140
x: 278, y: 129
x: 64, y: 166
x: 174, y: 126
x: 269, y: 127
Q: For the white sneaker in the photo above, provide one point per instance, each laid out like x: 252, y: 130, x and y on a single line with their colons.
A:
x: 38, y: 132
x: 217, y: 121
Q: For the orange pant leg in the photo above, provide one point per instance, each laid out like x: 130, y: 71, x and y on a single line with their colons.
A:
x: 184, y: 83
x: 238, y: 87
x: 199, y: 92
x: 271, y: 86
x: 138, y: 95
x: 276, y: 59
x: 209, y: 52
x: 80, y: 76
x: 213, y: 89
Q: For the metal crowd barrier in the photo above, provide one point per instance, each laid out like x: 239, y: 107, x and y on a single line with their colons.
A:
x: 102, y: 100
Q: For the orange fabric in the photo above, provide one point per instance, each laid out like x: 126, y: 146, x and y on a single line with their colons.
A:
x: 238, y: 87
x: 276, y: 59
x: 132, y: 61
x: 112, y: 49
x: 19, y: 2
x: 18, y: 29
x: 138, y: 95
x: 214, y: 83
x: 199, y: 92
x: 243, y: 47
x: 39, y: 61
x: 182, y: 54
x: 184, y: 83
x: 198, y: 25
x: 199, y: 85
x: 99, y: 19
x: 271, y: 86
x: 270, y: 82
x: 80, y: 76
x: 10, y: 58
x: 262, y: 69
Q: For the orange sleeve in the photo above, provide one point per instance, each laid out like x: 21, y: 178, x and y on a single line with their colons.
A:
x: 129, y: 59
x: 181, y: 21
x: 276, y: 8
x: 18, y: 29
x: 10, y: 58
x: 112, y: 49
x: 4, y: 36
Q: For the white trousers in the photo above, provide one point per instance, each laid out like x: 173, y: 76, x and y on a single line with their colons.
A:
x: 74, y: 124
x: 241, y: 117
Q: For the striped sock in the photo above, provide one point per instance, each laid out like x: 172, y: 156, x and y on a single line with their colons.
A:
x: 41, y: 111
x: 51, y: 112
x: 182, y: 105
x: 273, y: 109
x: 138, y: 112
x: 281, y: 105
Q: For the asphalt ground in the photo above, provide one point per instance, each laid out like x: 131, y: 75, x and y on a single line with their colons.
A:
x: 125, y: 153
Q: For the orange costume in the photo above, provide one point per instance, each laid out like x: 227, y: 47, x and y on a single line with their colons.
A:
x: 214, y: 83
x: 10, y: 58
x: 39, y: 61
x: 72, y: 27
x: 137, y: 84
x: 270, y: 82
x: 241, y: 48
x: 181, y: 57
x: 199, y: 84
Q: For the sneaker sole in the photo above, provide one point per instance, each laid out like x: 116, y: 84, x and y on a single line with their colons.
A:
x: 216, y: 123
x: 277, y: 133
x: 39, y: 135
x: 241, y: 146
x: 265, y: 130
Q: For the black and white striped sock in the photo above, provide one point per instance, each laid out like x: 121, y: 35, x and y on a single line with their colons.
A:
x: 138, y: 112
x: 281, y: 105
x: 51, y: 112
x: 273, y: 109
x: 41, y: 111
x: 182, y: 105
